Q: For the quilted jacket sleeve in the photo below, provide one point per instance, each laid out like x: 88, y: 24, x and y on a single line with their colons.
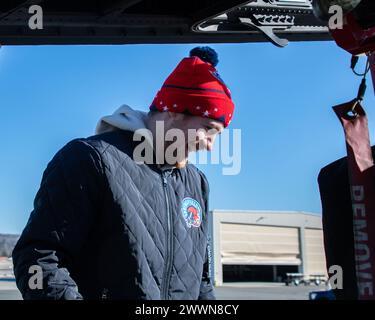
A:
x: 206, y: 288
x: 64, y: 209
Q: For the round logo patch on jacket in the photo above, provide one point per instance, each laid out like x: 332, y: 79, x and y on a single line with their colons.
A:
x: 192, y: 212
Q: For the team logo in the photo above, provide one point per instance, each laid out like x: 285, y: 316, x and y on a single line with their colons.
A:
x: 192, y: 212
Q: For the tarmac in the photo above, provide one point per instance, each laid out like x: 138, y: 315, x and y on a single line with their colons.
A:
x: 228, y: 291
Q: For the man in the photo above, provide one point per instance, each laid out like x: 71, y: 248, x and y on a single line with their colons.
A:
x: 110, y: 222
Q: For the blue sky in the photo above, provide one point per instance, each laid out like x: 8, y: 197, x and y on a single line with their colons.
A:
x: 52, y: 94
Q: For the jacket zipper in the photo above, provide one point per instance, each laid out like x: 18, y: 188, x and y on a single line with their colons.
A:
x: 169, y: 254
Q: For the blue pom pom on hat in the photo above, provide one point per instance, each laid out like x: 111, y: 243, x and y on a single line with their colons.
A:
x: 206, y: 54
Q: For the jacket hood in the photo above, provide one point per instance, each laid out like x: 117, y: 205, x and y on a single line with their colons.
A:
x: 124, y: 118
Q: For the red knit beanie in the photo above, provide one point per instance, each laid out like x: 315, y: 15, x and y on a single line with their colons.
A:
x: 196, y: 88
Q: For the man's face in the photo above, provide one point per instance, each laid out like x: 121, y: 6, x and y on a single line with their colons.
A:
x: 205, y: 132
x: 200, y: 134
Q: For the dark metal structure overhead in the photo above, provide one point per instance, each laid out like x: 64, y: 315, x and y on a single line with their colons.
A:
x: 158, y: 21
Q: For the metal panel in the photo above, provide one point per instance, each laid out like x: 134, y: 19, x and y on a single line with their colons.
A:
x: 315, y: 257
x: 259, y: 245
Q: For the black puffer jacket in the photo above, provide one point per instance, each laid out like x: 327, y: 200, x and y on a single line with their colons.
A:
x: 106, y: 227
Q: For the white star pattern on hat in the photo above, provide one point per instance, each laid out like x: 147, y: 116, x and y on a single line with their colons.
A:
x: 206, y: 113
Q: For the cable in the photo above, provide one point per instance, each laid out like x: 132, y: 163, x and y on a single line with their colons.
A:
x: 353, y: 64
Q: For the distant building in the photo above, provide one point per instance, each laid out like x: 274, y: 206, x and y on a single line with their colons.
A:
x: 7, y: 243
x: 265, y: 245
x: 6, y: 268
